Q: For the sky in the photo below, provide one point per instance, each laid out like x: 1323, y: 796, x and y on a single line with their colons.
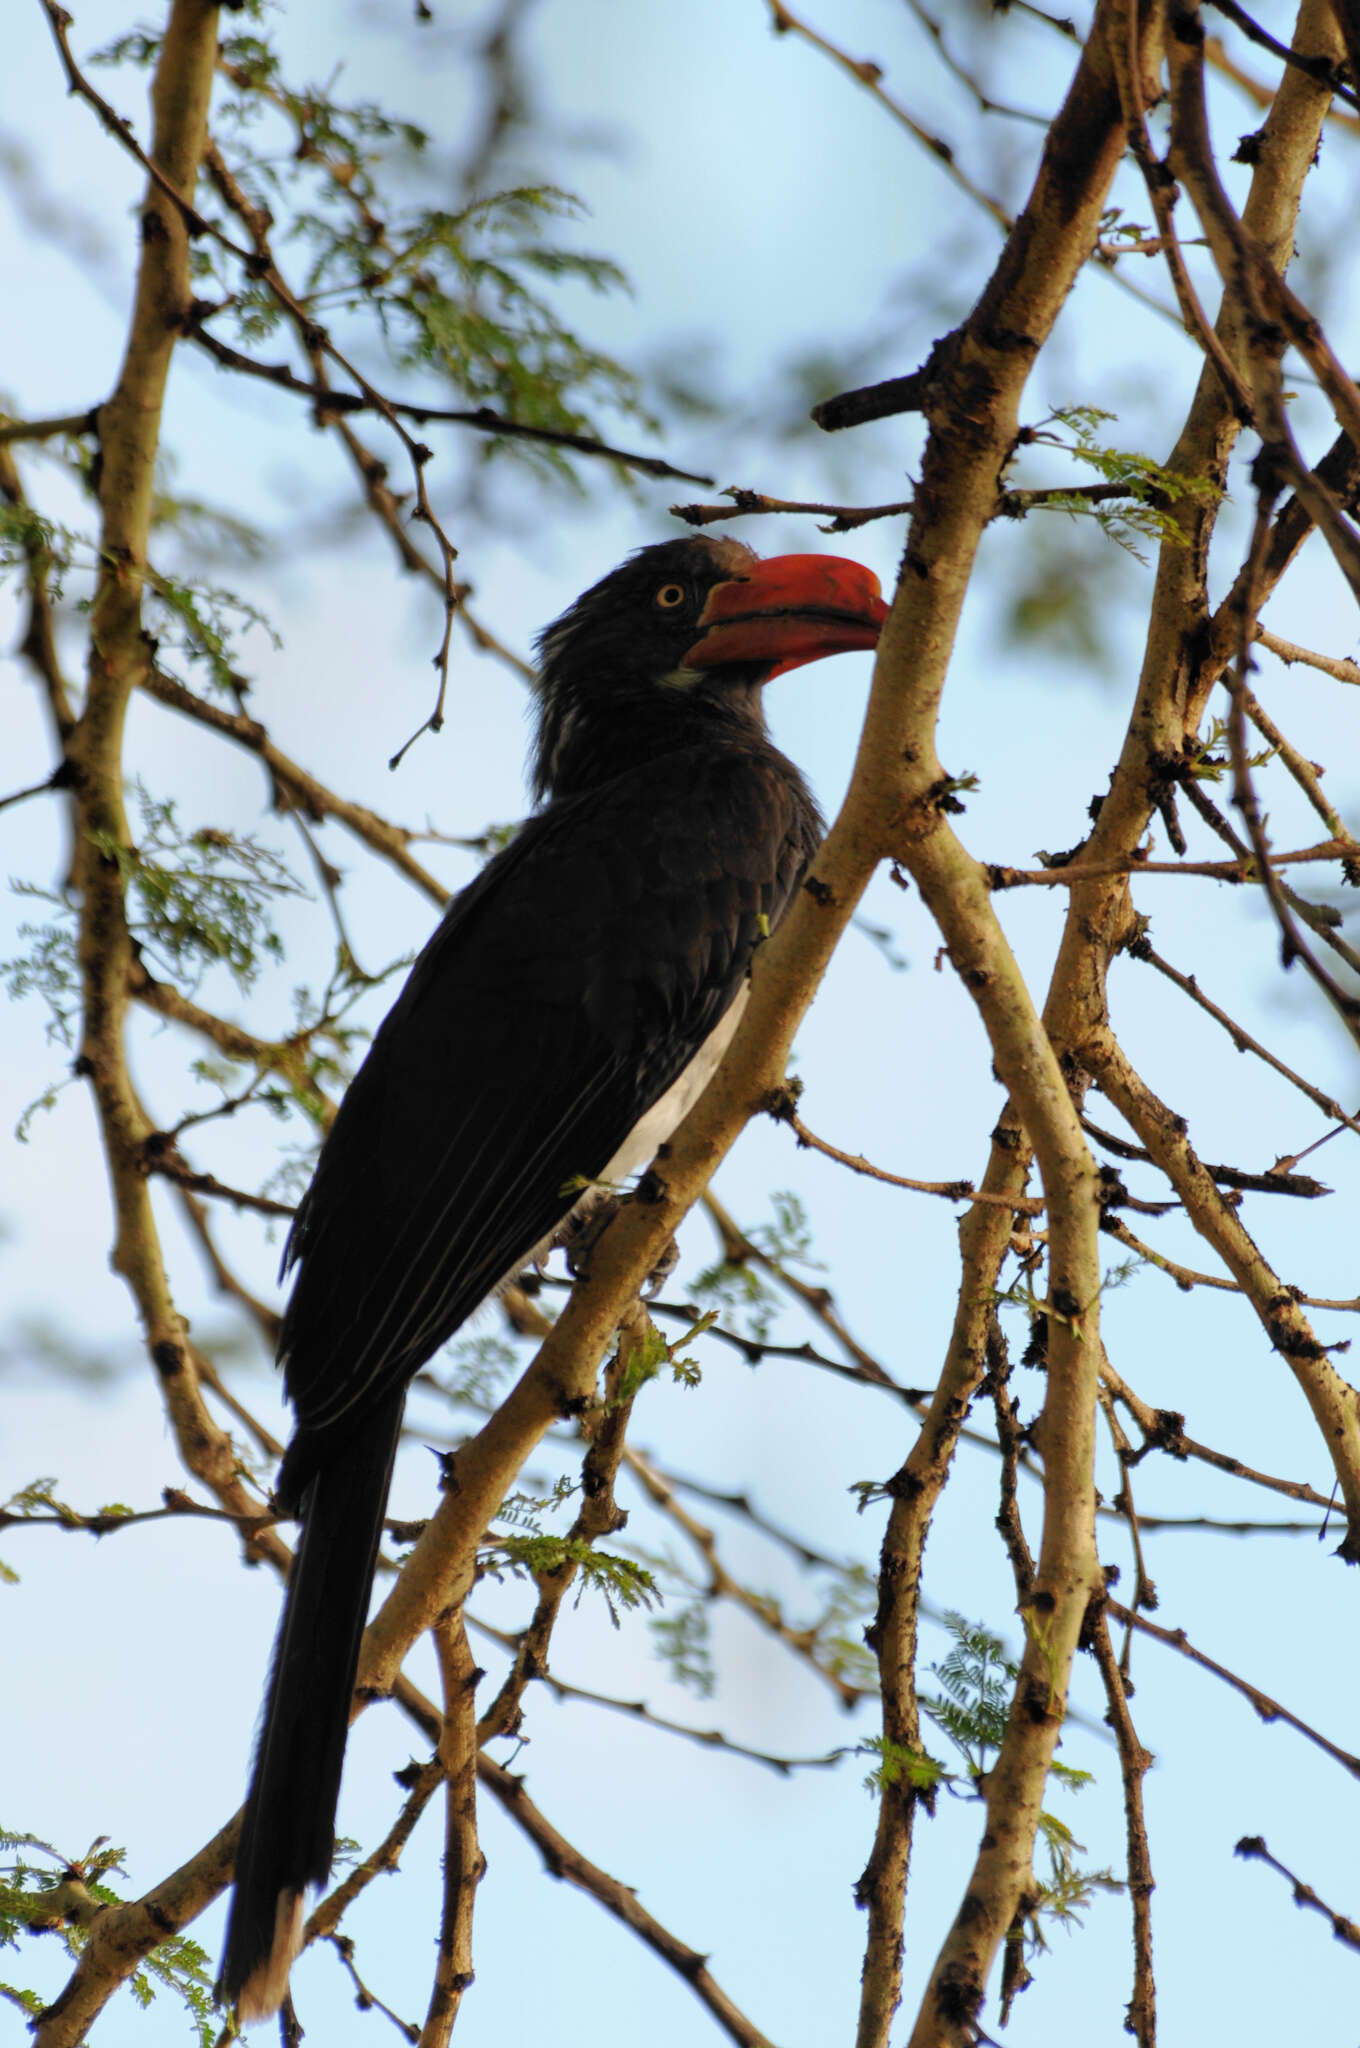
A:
x: 764, y: 208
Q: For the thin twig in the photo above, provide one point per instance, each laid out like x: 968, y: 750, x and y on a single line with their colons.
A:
x: 870, y: 75
x: 388, y: 508
x: 47, y: 787
x: 1341, y: 667
x: 1243, y: 869
x: 1266, y: 303
x: 567, y: 1863
x: 783, y: 1112
x: 330, y: 403
x: 598, y: 1515
x: 38, y: 645
x: 839, y: 518
x: 1300, y: 1184
x: 755, y: 1349
x: 422, y: 1782
x: 738, y: 1250
x: 1318, y: 921
x: 1134, y: 1763
x: 1144, y: 1589
x: 1010, y: 1439
x: 722, y: 1585
x: 1267, y: 1708
x: 310, y: 796
x: 1293, y: 945
x: 1306, y: 773
x: 1242, y: 1039
x: 1343, y: 1929
x: 1164, y: 1430
x: 1014, y: 504
x: 165, y: 1162
x: 986, y: 104
x: 366, y: 1999
x: 1320, y: 69
x: 1257, y: 90
x: 1161, y: 194
x: 638, y: 1710
x: 105, y: 1523
x: 1187, y: 1278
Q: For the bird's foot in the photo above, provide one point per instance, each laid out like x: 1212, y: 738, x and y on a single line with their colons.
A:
x: 586, y: 1225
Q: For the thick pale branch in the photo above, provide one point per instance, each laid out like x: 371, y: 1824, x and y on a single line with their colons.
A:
x: 1176, y: 677
x: 121, y: 1936
x: 1068, y: 1574
x: 464, y: 1863
x: 978, y: 377
x: 129, y: 435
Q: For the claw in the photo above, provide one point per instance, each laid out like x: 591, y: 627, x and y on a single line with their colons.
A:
x: 586, y: 1225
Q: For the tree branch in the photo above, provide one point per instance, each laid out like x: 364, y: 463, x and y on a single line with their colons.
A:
x: 1134, y: 1763
x: 1342, y: 1929
x: 565, y: 1862
x: 1265, y: 1707
x: 1332, y: 1401
x: 464, y: 1863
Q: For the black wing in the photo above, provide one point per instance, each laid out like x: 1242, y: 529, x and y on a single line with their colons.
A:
x: 559, y: 998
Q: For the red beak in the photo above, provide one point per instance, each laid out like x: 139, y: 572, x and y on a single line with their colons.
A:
x: 788, y: 610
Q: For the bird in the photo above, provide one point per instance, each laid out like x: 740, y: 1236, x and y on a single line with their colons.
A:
x: 569, y: 1008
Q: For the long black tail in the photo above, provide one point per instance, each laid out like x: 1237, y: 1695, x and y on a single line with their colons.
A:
x: 288, y: 1832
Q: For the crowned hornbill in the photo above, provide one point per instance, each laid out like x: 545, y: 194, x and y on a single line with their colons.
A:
x: 568, y: 1010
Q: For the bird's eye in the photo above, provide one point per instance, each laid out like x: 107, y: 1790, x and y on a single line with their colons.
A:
x: 670, y: 595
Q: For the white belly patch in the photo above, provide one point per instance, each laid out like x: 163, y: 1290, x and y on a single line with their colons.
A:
x: 670, y: 1110
x: 650, y: 1132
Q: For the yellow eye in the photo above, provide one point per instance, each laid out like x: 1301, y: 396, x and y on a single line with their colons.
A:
x: 670, y: 595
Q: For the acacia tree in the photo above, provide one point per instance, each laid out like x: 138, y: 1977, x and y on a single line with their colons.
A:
x: 292, y: 238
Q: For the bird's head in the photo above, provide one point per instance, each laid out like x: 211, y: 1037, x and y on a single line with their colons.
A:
x: 685, y: 629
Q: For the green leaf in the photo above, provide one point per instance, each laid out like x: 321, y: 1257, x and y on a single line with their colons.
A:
x: 198, y: 899
x: 684, y: 1643
x: 898, y: 1765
